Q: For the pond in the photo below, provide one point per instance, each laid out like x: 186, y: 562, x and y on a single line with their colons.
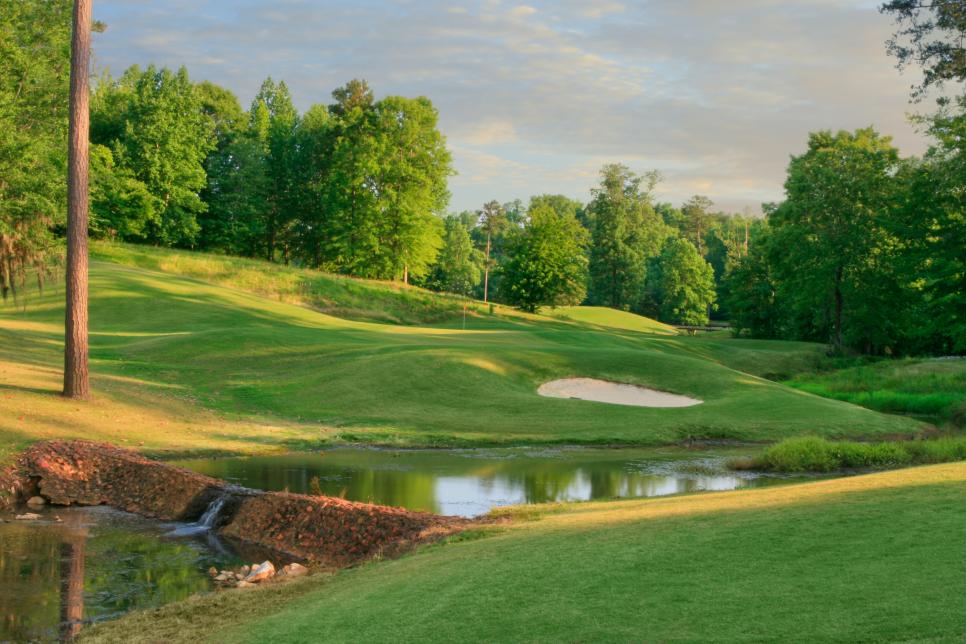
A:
x: 78, y: 565
x: 470, y: 482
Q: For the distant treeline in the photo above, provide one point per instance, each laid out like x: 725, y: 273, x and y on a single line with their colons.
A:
x: 865, y: 253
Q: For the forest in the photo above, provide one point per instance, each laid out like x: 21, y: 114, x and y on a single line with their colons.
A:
x: 865, y: 252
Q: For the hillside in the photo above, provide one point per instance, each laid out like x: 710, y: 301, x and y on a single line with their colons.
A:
x: 218, y: 368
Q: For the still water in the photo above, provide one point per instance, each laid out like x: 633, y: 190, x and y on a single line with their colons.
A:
x: 471, y: 482
x: 94, y: 564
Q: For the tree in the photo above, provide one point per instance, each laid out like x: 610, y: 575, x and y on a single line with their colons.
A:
x: 153, y: 122
x: 626, y: 232
x: 492, y: 221
x: 697, y: 217
x: 76, y: 377
x: 35, y: 52
x: 411, y: 186
x: 684, y: 283
x: 930, y: 34
x: 457, y: 268
x: 546, y: 261
x: 749, y: 293
x: 832, y: 251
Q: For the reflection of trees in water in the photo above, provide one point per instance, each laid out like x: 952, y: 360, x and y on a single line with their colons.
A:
x: 53, y: 577
x: 72, y: 584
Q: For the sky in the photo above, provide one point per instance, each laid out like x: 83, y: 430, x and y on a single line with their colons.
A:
x: 534, y: 98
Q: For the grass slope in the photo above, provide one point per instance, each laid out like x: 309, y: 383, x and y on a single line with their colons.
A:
x: 317, y: 378
x: 856, y: 559
x: 612, y: 318
x: 934, y: 389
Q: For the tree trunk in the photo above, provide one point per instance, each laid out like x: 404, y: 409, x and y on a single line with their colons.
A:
x: 76, y: 377
x: 71, y: 587
x: 837, y: 322
x: 486, y: 271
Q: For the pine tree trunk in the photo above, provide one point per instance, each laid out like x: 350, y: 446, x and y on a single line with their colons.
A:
x: 486, y: 271
x: 76, y: 377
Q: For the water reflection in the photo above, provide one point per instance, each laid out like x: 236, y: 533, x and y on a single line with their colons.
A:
x: 93, y: 564
x: 471, y: 482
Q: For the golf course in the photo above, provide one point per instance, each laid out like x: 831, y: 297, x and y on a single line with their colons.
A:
x: 198, y: 355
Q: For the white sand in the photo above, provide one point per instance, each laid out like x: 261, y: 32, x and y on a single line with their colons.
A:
x: 613, y: 392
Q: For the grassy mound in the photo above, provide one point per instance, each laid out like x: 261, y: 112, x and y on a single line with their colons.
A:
x: 612, y: 319
x: 854, y: 559
x: 346, y: 297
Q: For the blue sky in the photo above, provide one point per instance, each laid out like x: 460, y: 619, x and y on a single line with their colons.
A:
x: 535, y: 97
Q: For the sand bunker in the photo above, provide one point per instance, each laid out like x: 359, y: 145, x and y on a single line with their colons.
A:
x: 614, y: 393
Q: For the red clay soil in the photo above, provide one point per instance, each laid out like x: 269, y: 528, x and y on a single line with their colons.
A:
x: 321, y: 529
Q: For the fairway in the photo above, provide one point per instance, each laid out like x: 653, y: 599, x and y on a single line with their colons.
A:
x: 210, y: 349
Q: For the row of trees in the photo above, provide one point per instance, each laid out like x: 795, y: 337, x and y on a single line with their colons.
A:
x: 353, y: 187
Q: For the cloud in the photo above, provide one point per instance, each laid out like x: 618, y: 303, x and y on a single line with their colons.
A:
x: 535, y: 97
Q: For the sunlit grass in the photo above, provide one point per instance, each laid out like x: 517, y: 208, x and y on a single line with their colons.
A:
x: 855, y: 559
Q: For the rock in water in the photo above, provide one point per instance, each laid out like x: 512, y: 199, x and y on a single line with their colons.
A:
x: 294, y: 570
x: 36, y: 500
x: 265, y: 570
x: 29, y: 516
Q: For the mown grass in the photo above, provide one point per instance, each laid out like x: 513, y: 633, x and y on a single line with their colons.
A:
x: 813, y: 454
x: 934, y: 389
x: 858, y: 559
x: 157, y: 335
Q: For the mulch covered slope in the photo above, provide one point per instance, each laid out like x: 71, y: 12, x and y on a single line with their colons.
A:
x: 322, y: 529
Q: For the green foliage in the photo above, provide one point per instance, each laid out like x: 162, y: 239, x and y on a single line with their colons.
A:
x: 832, y: 251
x: 812, y: 454
x: 683, y: 283
x: 749, y: 291
x: 34, y: 75
x: 458, y: 268
x: 546, y: 262
x: 153, y: 123
x: 626, y: 231
x: 930, y: 35
x: 121, y: 205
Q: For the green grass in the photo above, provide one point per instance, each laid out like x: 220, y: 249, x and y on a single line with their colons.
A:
x: 315, y: 378
x: 931, y: 389
x: 346, y: 297
x: 812, y: 454
x: 870, y: 558
x: 611, y: 318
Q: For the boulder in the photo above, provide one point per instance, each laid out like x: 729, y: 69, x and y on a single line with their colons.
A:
x: 37, y: 501
x: 28, y: 516
x: 244, y: 584
x: 294, y: 570
x: 265, y: 570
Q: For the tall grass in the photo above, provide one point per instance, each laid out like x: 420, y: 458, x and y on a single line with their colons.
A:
x: 345, y: 297
x: 933, y: 389
x: 813, y: 454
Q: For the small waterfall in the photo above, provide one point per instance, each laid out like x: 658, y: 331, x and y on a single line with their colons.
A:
x: 207, y: 520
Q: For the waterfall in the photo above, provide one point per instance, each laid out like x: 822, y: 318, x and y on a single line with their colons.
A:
x: 207, y: 520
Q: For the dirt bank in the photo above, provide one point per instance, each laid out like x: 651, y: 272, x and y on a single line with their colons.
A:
x: 321, y: 529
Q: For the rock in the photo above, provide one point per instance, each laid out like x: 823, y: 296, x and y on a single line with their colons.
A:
x: 213, y: 572
x: 294, y: 570
x: 244, y: 570
x: 37, y: 501
x: 265, y: 570
x: 222, y: 576
x: 244, y: 584
x: 29, y: 516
